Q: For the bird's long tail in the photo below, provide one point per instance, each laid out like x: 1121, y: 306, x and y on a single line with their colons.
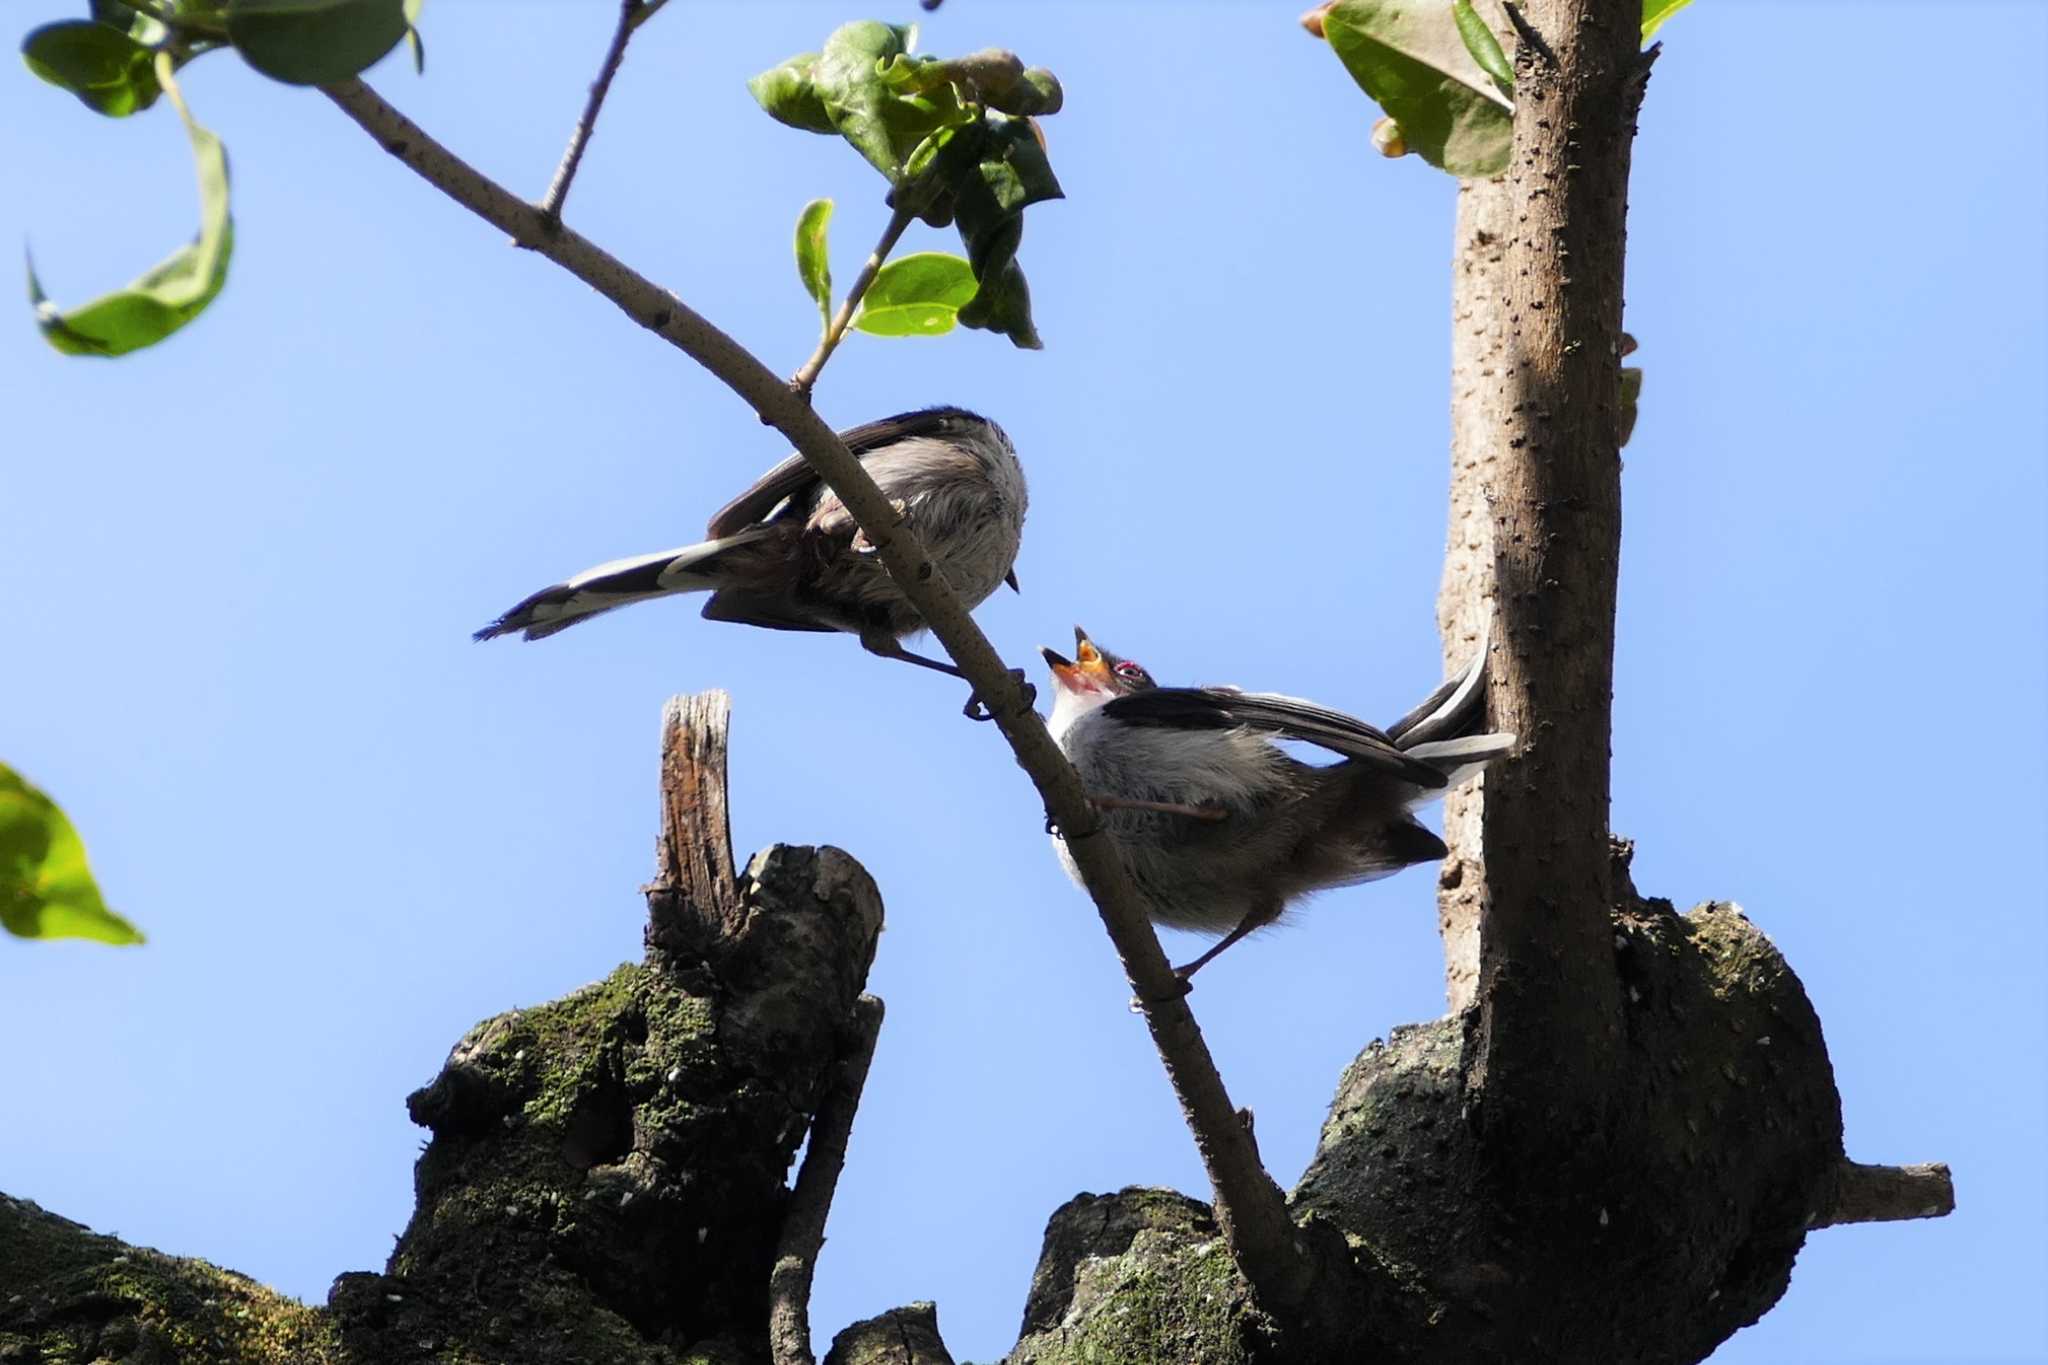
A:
x: 1440, y: 730
x: 693, y: 568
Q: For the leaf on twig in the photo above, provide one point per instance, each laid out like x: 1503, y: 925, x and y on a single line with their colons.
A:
x: 315, y: 42
x: 789, y: 95
x: 813, y: 262
x: 46, y: 888
x: 1483, y: 47
x: 867, y: 106
x: 1655, y: 12
x: 953, y: 136
x: 993, y: 173
x: 110, y: 71
x: 1411, y: 58
x: 916, y: 296
x: 168, y: 296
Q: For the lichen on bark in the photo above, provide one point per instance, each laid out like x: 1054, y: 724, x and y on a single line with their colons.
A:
x: 604, y: 1182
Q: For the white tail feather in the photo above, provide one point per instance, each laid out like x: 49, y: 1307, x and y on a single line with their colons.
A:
x: 1458, y: 759
x: 617, y: 583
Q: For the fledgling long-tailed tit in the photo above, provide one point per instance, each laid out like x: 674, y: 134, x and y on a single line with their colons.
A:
x: 1218, y: 827
x: 786, y: 554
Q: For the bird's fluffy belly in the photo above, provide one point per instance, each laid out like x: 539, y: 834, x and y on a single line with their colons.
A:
x: 1189, y: 873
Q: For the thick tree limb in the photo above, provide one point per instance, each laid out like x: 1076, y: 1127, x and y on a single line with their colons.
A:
x: 810, y: 1201
x: 1537, y: 526
x: 1889, y: 1194
x: 1249, y: 1206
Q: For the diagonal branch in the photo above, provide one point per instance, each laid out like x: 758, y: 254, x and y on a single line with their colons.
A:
x: 1249, y: 1207
x: 632, y: 14
x: 810, y: 1202
x: 805, y: 378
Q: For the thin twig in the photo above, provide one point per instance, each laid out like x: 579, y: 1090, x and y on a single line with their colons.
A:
x: 1250, y: 1209
x: 632, y: 14
x: 810, y: 1201
x: 804, y: 378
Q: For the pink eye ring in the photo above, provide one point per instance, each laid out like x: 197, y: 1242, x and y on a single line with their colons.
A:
x: 1129, y: 670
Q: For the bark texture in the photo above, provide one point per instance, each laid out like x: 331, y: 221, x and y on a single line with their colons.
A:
x: 605, y: 1177
x: 1544, y: 362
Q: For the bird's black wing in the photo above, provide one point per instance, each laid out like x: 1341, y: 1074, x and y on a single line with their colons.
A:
x: 1222, y: 708
x: 794, y: 477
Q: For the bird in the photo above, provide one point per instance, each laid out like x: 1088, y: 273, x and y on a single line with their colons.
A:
x: 785, y: 554
x: 1218, y: 827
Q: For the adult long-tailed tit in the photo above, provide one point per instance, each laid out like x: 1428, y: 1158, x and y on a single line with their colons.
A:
x: 786, y: 554
x: 1217, y: 826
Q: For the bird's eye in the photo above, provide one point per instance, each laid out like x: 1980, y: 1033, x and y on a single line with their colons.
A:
x: 1127, y: 669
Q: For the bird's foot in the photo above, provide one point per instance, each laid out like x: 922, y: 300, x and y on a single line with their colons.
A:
x: 1183, y: 986
x: 976, y: 709
x: 863, y: 546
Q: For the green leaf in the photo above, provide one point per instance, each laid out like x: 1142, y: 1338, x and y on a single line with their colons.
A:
x: 813, y: 262
x: 993, y: 175
x: 107, y: 68
x: 1483, y: 47
x: 1631, y: 396
x: 167, y: 297
x: 916, y: 296
x: 849, y: 79
x: 1408, y: 56
x: 789, y: 95
x: 46, y: 889
x: 1000, y: 80
x: 315, y: 42
x: 1655, y: 12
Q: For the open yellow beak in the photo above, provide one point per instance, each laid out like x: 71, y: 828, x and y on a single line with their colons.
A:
x: 1087, y: 669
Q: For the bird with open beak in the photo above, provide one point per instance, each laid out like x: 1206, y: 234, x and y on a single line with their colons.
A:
x: 1218, y: 827
x: 787, y: 555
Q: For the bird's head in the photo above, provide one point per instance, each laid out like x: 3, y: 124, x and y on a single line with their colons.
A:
x: 1094, y: 675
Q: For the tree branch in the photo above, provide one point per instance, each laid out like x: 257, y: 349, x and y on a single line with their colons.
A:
x: 803, y: 380
x: 1537, y: 506
x: 632, y: 14
x: 810, y: 1202
x: 1249, y: 1206
x: 1888, y: 1194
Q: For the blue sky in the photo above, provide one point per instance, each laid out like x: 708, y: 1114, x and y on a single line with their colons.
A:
x: 243, y: 569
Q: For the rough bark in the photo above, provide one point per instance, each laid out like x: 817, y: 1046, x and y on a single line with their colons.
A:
x: 1479, y: 411
x: 605, y: 1176
x: 605, y: 1185
x: 1544, y: 374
